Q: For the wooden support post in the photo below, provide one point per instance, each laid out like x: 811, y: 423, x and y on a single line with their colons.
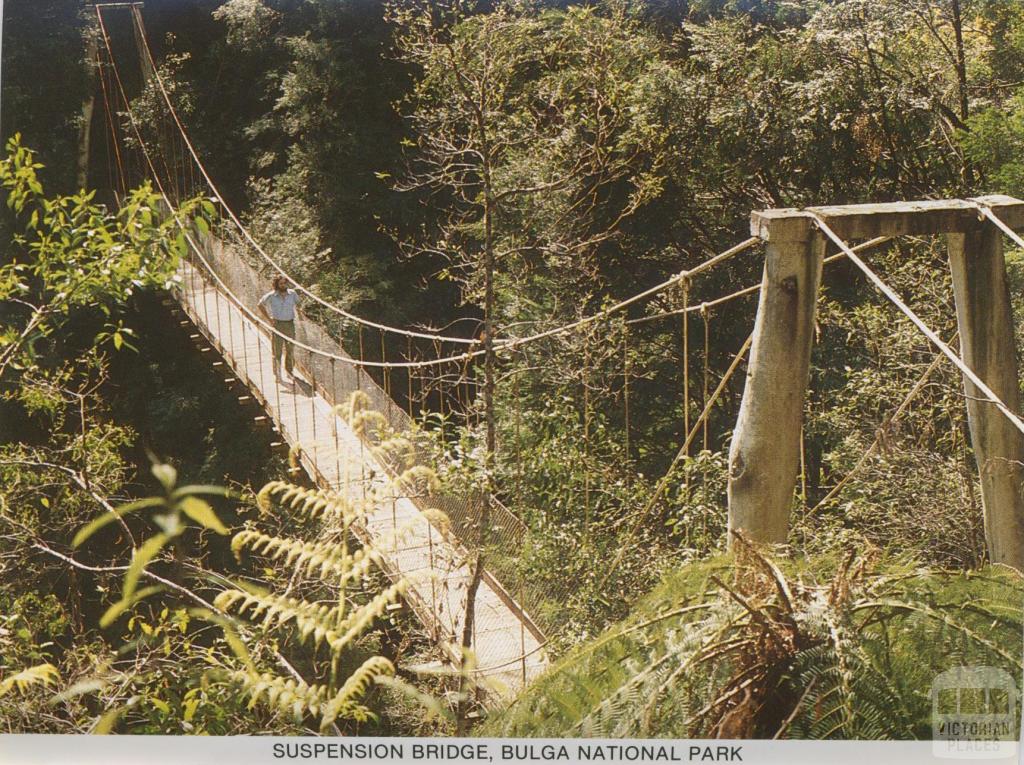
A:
x: 987, y: 346
x: 765, y: 447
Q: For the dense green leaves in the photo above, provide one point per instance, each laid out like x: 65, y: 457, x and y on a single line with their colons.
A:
x: 824, y: 648
x: 74, y: 256
x: 593, y: 149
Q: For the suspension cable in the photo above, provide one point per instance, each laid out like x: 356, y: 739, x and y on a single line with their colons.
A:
x: 682, y: 275
x: 886, y: 290
x: 198, y: 252
x: 752, y: 288
x: 508, y: 344
x: 680, y: 455
x: 499, y: 345
x: 248, y: 313
x: 990, y: 214
x: 195, y: 247
x: 137, y: 17
x: 886, y: 423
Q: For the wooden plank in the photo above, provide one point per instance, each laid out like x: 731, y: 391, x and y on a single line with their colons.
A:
x: 865, y: 221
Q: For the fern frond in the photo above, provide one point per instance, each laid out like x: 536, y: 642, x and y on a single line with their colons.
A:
x: 313, y: 557
x: 288, y: 695
x: 434, y: 517
x: 360, y: 563
x: 41, y: 674
x: 297, y: 698
x: 419, y: 479
x: 357, y: 402
x: 294, y: 457
x: 329, y: 624
x: 277, y: 610
x: 943, y: 618
x: 396, y: 450
x: 311, y: 619
x: 312, y: 503
x: 345, y: 704
x: 368, y: 424
x: 356, y: 623
x: 264, y: 498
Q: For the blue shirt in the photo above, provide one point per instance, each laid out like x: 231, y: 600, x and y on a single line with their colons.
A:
x: 281, y: 306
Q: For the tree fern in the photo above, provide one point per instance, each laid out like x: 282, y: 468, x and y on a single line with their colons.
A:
x: 418, y: 479
x: 310, y: 557
x: 297, y: 698
x: 847, y: 654
x: 343, y: 703
x: 368, y: 424
x: 277, y: 610
x: 326, y: 624
x: 397, y: 452
x: 314, y: 504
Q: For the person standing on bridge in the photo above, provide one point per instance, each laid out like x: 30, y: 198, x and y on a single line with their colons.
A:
x: 278, y: 306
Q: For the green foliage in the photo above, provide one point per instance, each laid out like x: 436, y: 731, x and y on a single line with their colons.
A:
x: 539, y: 131
x: 75, y: 255
x: 334, y: 624
x: 43, y: 101
x: 169, y: 510
x: 821, y: 648
x: 915, y: 493
x: 620, y: 142
x: 995, y: 142
x: 164, y: 678
x: 165, y: 673
x: 336, y: 628
x: 299, y: 698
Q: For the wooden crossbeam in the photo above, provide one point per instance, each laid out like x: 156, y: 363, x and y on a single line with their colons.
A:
x: 865, y: 221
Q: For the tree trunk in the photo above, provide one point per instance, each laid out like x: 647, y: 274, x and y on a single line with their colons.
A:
x: 462, y: 722
x: 961, y: 79
x: 85, y: 129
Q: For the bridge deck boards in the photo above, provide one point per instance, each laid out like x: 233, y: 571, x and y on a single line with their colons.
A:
x: 335, y: 457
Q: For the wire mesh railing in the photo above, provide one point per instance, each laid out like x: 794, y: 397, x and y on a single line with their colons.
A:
x: 506, y: 648
x: 335, y: 375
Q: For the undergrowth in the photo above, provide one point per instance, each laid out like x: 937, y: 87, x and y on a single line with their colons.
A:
x: 750, y: 647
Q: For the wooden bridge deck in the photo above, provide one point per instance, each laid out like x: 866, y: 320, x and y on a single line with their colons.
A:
x: 506, y: 648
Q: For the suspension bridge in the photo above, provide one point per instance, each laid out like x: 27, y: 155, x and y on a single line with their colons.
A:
x: 225, y: 271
